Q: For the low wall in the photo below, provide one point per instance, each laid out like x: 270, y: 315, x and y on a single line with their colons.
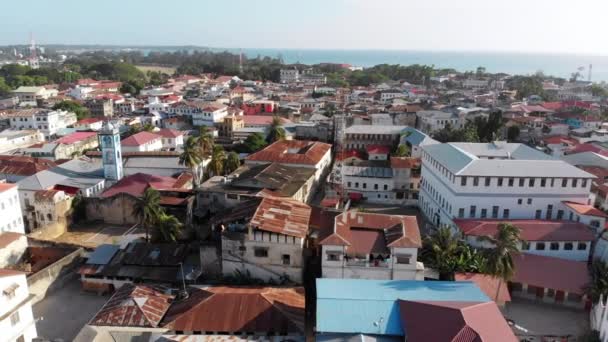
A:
x: 54, y: 275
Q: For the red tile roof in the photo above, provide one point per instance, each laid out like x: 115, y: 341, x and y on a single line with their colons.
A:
x: 552, y: 105
x: 530, y: 230
x: 136, y: 184
x: 23, y: 166
x: 6, y: 238
x: 260, y: 120
x: 75, y: 137
x: 458, y: 322
x: 488, y: 284
x: 9, y: 273
x: 585, y: 209
x: 134, y: 306
x: 88, y: 121
x: 550, y: 273
x: 282, y: 215
x: 349, y: 154
x: 169, y: 133
x: 239, y: 309
x: 396, y: 231
x: 139, y: 139
x: 560, y: 139
x: 404, y: 162
x: 588, y: 148
x: 378, y: 149
x: 6, y: 186
x: 292, y: 152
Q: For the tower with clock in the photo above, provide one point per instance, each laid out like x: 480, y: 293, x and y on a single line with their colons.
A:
x: 109, y: 142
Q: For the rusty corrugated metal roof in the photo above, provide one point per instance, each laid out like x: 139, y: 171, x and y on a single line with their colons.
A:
x: 283, y: 216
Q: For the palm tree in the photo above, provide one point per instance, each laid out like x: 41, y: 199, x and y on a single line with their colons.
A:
x: 500, y: 258
x: 275, y: 132
x: 205, y: 142
x: 598, y: 287
x: 169, y: 227
x: 147, y: 209
x: 191, y: 158
x: 216, y: 166
x: 402, y: 151
x: 232, y: 162
x: 440, y: 250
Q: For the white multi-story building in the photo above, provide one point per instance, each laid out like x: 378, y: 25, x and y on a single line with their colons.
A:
x: 16, y: 317
x: 372, y: 246
x: 210, y: 115
x: 10, y: 209
x: 498, y: 180
x: 46, y: 121
x: 290, y: 75
x: 142, y: 142
x: 13, y: 139
x: 31, y: 95
x: 81, y: 92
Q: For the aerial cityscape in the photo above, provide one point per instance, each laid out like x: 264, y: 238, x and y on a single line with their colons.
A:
x: 239, y: 185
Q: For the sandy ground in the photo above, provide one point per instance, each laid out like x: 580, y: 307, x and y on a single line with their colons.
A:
x: 95, y: 234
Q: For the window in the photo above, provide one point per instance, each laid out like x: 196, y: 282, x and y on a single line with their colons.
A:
x: 543, y: 182
x: 364, y: 185
x: 539, y: 213
x: 519, y: 201
x: 495, y: 211
x: 349, y: 184
x: 463, y: 181
x: 529, y: 201
x: 581, y: 246
x: 484, y: 213
x: 525, y: 245
x: 404, y: 259
x: 521, y: 182
x: 564, y: 182
x: 568, y: 246
x: 385, y: 187
x: 333, y: 257
x: 554, y: 246
x: 560, y: 214
x: 549, y: 211
x: 260, y: 252
x: 475, y: 181
x: 500, y: 181
x: 15, y: 318
x: 574, y: 182
x: 505, y: 214
x: 472, y: 211
x: 375, y: 186
x: 286, y: 258
x: 488, y: 180
x: 531, y: 182
x: 584, y: 183
x: 511, y: 181
x: 461, y: 213
x: 540, y: 246
x: 356, y: 184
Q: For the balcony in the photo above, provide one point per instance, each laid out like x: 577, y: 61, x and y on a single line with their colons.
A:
x: 353, y: 262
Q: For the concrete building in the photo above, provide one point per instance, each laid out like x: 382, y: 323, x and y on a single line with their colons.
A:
x: 372, y: 246
x: 65, y: 147
x: 89, y: 124
x: 267, y: 241
x: 31, y: 95
x: 142, y: 142
x: 458, y: 179
x: 360, y: 136
x: 289, y: 75
x: 52, y: 210
x: 172, y: 139
x: 14, y: 139
x: 16, y: 317
x: 210, y: 115
x: 48, y: 122
x: 100, y: 108
x: 10, y: 209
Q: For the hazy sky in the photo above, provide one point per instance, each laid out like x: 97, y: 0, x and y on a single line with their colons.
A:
x: 517, y: 25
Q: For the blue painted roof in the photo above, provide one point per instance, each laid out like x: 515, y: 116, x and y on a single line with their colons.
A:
x: 372, y: 306
x: 102, y: 254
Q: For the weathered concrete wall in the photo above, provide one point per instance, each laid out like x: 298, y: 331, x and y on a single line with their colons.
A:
x: 115, y: 210
x: 54, y: 275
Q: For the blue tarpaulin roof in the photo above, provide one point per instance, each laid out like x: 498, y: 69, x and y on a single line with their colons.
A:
x: 102, y: 254
x: 372, y: 306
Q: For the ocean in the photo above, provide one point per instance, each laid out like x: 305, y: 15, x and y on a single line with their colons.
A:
x: 560, y: 65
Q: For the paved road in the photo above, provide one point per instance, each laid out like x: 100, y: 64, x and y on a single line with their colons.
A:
x: 66, y: 311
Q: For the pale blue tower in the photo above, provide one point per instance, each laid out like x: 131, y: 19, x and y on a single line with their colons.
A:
x: 109, y: 142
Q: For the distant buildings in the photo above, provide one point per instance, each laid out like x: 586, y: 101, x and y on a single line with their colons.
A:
x: 31, y: 95
x: 16, y: 316
x: 46, y: 121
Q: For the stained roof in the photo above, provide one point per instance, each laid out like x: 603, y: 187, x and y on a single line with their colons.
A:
x: 139, y: 139
x: 24, y: 166
x: 488, y: 284
x: 239, y: 309
x: 75, y: 137
x: 102, y: 254
x: 134, y: 306
x: 283, y: 216
x: 6, y: 186
x: 292, y: 152
x: 530, y: 230
x: 169, y: 133
x: 6, y: 238
x: 458, y: 322
x: 395, y: 230
x: 551, y: 273
x: 585, y: 209
x: 136, y: 184
x: 372, y: 306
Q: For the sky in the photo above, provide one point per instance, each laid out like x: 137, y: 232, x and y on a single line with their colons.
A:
x: 549, y: 26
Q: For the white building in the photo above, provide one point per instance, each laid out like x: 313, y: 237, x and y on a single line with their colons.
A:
x: 16, y: 316
x: 172, y: 139
x: 210, y: 115
x: 30, y: 95
x: 13, y: 139
x: 46, y: 121
x: 372, y: 246
x: 81, y: 92
x: 497, y: 180
x: 142, y: 142
x: 10, y: 209
x: 289, y: 75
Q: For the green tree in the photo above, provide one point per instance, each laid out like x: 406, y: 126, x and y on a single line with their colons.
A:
x: 191, y: 158
x: 439, y: 251
x: 74, y: 107
x: 500, y: 258
x: 513, y: 133
x: 167, y: 228
x: 128, y: 88
x: 78, y: 208
x: 598, y: 286
x: 253, y: 143
x: 147, y: 209
x: 218, y: 158
x: 148, y: 127
x: 232, y: 162
x: 599, y: 91
x: 5, y: 89
x: 205, y: 142
x: 402, y: 151
x: 275, y: 132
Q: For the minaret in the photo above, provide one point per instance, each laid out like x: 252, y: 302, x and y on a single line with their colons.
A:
x: 109, y: 142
